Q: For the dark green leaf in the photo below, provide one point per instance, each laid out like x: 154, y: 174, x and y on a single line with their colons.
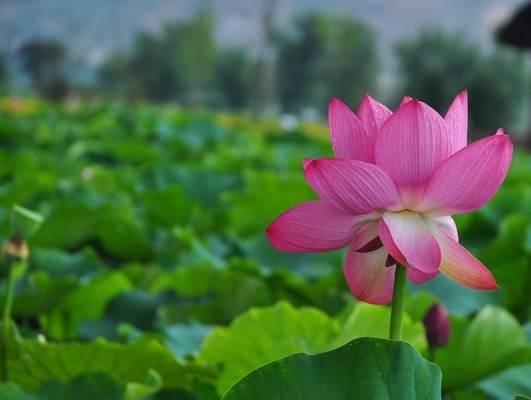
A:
x: 365, y: 368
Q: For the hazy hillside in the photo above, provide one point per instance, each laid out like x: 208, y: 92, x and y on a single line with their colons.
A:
x: 92, y: 28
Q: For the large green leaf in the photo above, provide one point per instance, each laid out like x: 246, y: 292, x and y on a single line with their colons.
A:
x: 491, y: 342
x: 363, y: 369
x: 113, y: 230
x: 266, y: 334
x: 85, y: 303
x: 216, y: 295
x: 263, y: 335
x: 84, y: 387
x: 11, y: 391
x: 90, y: 386
x: 32, y: 363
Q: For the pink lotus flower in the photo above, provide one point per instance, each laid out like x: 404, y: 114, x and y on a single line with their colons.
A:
x: 390, y: 192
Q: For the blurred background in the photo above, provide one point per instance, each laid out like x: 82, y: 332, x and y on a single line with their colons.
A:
x: 273, y: 57
x: 160, y: 138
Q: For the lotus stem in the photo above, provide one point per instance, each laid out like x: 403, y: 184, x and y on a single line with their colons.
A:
x: 397, y: 306
x: 6, y: 317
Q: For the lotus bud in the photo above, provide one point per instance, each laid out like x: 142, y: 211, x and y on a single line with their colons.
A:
x: 23, y: 223
x: 437, y: 325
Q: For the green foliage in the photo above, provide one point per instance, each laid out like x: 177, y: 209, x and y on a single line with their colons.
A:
x: 154, y: 240
x: 177, y: 64
x: 86, y: 302
x: 435, y: 66
x: 514, y: 380
x: 264, y: 335
x: 233, y: 78
x: 265, y: 197
x: 85, y: 387
x: 493, y: 336
x: 33, y: 363
x: 88, y: 386
x: 43, y: 62
x: 3, y: 70
x: 366, y: 368
x: 318, y: 61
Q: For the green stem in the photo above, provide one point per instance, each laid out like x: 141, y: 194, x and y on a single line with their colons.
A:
x: 6, y: 321
x: 397, y: 306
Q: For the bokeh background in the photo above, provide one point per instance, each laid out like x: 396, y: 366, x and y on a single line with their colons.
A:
x: 269, y: 57
x: 160, y: 138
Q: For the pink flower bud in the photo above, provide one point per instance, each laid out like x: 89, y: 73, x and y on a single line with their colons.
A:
x: 437, y: 325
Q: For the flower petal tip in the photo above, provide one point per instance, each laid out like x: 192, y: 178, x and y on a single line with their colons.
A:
x: 488, y: 284
x: 334, y: 101
x: 405, y: 100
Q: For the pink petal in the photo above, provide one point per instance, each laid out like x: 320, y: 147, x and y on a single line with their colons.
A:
x: 420, y: 277
x: 461, y: 266
x: 457, y: 120
x: 405, y: 100
x: 447, y: 225
x: 367, y: 276
x: 311, y: 227
x: 352, y: 186
x: 373, y: 114
x: 469, y: 178
x: 408, y: 239
x: 385, y: 236
x: 305, y: 162
x: 349, y: 137
x: 410, y: 146
x: 364, y: 235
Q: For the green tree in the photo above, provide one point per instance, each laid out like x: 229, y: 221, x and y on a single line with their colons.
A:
x: 43, y: 61
x: 112, y: 74
x: 192, y: 48
x: 436, y: 66
x: 177, y: 64
x: 325, y: 56
x: 233, y: 78
x: 501, y: 92
x: 3, y: 71
x: 150, y: 71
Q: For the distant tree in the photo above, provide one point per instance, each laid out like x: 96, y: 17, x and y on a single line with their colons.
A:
x: 192, y: 48
x: 501, y: 92
x: 435, y: 66
x: 150, y: 71
x: 177, y: 64
x: 263, y: 89
x: 3, y: 71
x: 43, y: 61
x: 325, y: 56
x: 112, y: 74
x: 233, y: 78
